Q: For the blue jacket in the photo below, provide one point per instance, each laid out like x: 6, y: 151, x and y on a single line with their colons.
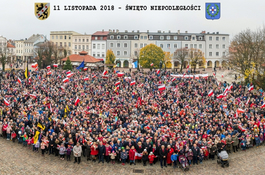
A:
x: 174, y: 157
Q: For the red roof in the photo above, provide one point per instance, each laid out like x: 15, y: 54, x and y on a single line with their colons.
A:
x: 10, y: 45
x: 101, y: 33
x: 82, y: 56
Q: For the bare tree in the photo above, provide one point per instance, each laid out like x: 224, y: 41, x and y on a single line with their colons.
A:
x: 195, y: 56
x: 180, y: 55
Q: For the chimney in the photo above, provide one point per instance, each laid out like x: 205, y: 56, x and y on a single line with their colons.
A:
x: 138, y: 31
x: 178, y: 31
x: 113, y: 30
x: 159, y: 31
x: 169, y: 31
x: 147, y: 31
x: 186, y: 31
x: 109, y: 30
x: 203, y: 32
x: 217, y: 32
x: 126, y: 31
x: 163, y: 31
x: 133, y: 31
x: 213, y: 32
x: 117, y: 31
x: 102, y: 30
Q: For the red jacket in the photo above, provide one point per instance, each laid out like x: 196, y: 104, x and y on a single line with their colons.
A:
x: 13, y: 135
x: 151, y: 158
x: 132, y: 154
x: 108, y: 150
x: 94, y: 151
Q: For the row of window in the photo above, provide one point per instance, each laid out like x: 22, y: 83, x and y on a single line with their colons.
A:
x: 216, y: 54
x: 151, y: 37
x: 193, y: 46
x: 82, y: 40
x: 216, y: 46
x: 18, y: 51
x: 28, y: 50
x: 61, y: 37
x: 83, y: 47
x: 98, y: 54
x: 98, y: 46
x: 119, y: 45
x: 216, y: 38
x: 65, y: 44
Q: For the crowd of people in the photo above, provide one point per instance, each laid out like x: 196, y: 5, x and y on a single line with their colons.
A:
x: 127, y: 119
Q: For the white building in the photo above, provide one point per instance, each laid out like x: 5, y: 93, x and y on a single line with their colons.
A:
x: 30, y: 45
x: 99, y: 44
x: 19, y: 49
x: 3, y: 44
x: 81, y: 43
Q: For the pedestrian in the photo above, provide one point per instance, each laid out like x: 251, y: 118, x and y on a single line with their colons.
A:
x: 77, y: 150
x: 174, y: 159
x: 112, y: 156
x: 42, y: 147
x: 124, y: 156
x: 101, y: 152
x: 94, y: 151
x: 132, y: 155
x: 62, y: 151
x: 190, y: 156
x: 68, y: 153
x: 163, y: 156
x: 151, y: 158
x: 145, y: 157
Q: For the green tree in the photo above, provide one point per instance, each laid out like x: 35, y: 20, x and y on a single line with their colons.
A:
x: 151, y: 54
x: 68, y: 65
x: 3, y: 60
x: 110, y: 57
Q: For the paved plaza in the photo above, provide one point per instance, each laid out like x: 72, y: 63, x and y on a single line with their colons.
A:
x: 16, y: 159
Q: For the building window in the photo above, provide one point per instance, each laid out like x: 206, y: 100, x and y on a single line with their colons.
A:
x: 111, y: 44
x: 141, y: 45
x: 125, y: 45
x: 168, y: 37
x: 223, y: 54
x: 52, y: 37
x: 86, y: 47
x: 186, y: 46
x: 118, y: 44
x: 200, y: 46
x: 75, y: 40
x: 79, y: 47
x: 142, y: 37
x: 75, y: 46
x: 65, y: 37
x: 135, y: 45
x: 217, y: 54
x: 210, y: 46
x: 87, y: 40
x: 193, y: 38
x: 118, y: 53
x: 200, y: 38
x: 175, y: 46
x: 83, y: 47
x: 145, y: 37
x: 83, y: 40
x: 217, y: 46
x: 69, y: 37
x: 118, y: 37
x: 101, y: 38
x: 223, y: 38
x: 79, y: 40
x: 191, y: 45
x: 94, y: 46
x: 210, y: 38
x: 161, y: 45
x: 125, y: 37
x: 150, y: 37
x: 75, y: 52
x: 56, y: 43
x: 168, y: 46
x: 111, y: 37
x: 56, y: 37
x: 98, y: 46
x: 98, y: 54
x: 103, y: 54
x: 69, y: 44
x: 103, y: 46
x: 135, y: 36
x: 161, y: 37
x: 186, y: 38
x: 195, y: 46
x: 94, y: 54
x: 61, y: 37
x: 145, y: 44
x: 125, y: 53
x: 217, y: 38
x: 175, y: 37
x: 96, y: 38
x: 61, y: 44
x: 223, y: 46
x: 135, y: 53
x: 210, y: 54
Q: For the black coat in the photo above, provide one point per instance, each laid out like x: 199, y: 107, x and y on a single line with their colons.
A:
x: 196, y: 151
x: 101, y: 150
x: 162, y: 153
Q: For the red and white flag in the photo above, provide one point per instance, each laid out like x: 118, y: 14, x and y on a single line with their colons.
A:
x: 251, y: 88
x: 247, y: 101
x: 224, y: 106
x: 213, y: 74
x: 19, y: 80
x: 33, y: 96
x: 48, y: 67
x: 29, y: 79
x: 222, y: 76
x: 6, y: 102
x: 162, y: 87
x: 152, y: 64
x: 34, y: 65
x: 77, y: 101
x: 50, y: 107
x: 230, y: 87
x: 55, y: 65
x: 132, y: 83
x: 86, y: 78
x: 62, y: 87
x: 173, y: 79
x: 117, y: 83
x: 65, y: 80
x: 158, y: 71
x: 117, y: 88
x: 220, y: 96
x: 105, y: 72
x: 188, y: 66
x: 69, y: 75
x: 120, y: 74
x: 240, y: 111
x: 210, y: 93
x: 68, y: 72
x: 49, y: 73
x: 263, y: 105
x: 187, y: 106
x: 141, y: 85
x: 85, y: 68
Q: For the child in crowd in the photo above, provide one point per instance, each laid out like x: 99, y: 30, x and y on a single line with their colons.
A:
x: 62, y: 150
x: 174, y: 159
x: 201, y: 155
x: 151, y: 158
x: 13, y: 136
x: 124, y: 156
x: 112, y: 157
x: 68, y: 152
x: 37, y: 145
x: 190, y: 156
x: 132, y: 155
x: 42, y: 147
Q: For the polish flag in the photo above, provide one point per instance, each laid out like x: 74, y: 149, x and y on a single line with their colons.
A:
x: 34, y: 65
x: 85, y: 68
x: 120, y: 74
x: 251, y: 88
x: 62, y: 87
x: 29, y: 79
x: 77, y: 101
x: 177, y: 100
x: 86, y: 78
x: 117, y: 83
x: 224, y: 106
x: 65, y: 80
x: 33, y: 96
x: 210, y: 93
x: 48, y: 67
x: 68, y: 72
x: 117, y: 88
x: 213, y: 74
x: 220, y: 96
x: 247, y: 101
x: 141, y: 85
x: 36, y: 69
x: 55, y: 65
x: 6, y: 102
x: 49, y: 73
x: 187, y: 106
x: 152, y: 64
x: 132, y: 83
x: 240, y: 111
x: 105, y: 72
x: 162, y: 87
x: 222, y: 76
x: 173, y: 79
x: 69, y: 75
x: 94, y: 76
x: 158, y: 71
x: 230, y: 87
x: 263, y: 105
x: 18, y: 80
x: 50, y: 107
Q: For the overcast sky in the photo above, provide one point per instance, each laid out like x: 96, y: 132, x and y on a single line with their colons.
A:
x: 18, y: 20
